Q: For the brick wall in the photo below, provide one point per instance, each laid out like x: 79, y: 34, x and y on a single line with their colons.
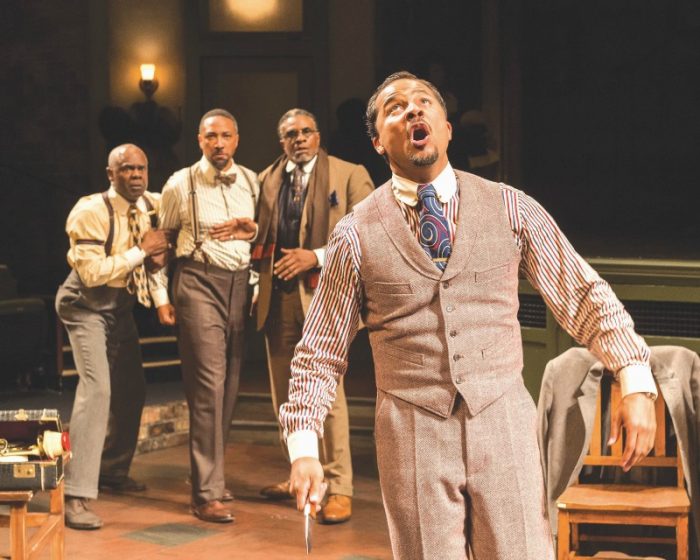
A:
x: 163, y: 426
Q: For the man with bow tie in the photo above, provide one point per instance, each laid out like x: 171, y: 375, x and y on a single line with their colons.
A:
x: 304, y: 193
x: 111, y: 244
x: 204, y: 202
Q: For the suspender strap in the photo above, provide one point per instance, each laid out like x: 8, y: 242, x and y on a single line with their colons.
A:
x: 194, y: 216
x: 251, y: 190
x: 110, y: 235
x: 151, y: 213
x: 110, y: 210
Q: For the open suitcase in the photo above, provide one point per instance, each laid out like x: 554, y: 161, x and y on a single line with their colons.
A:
x: 33, y: 448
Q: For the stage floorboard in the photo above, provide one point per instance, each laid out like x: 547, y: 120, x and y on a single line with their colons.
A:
x: 157, y: 524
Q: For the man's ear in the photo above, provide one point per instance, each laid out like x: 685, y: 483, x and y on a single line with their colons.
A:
x: 110, y: 174
x: 377, y: 146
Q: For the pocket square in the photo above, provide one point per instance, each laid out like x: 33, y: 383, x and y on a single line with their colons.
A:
x: 333, y: 199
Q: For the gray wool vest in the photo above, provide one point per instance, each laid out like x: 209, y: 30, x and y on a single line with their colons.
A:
x: 434, y: 334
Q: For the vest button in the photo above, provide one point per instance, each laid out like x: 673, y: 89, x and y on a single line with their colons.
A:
x: 460, y: 379
x: 445, y: 284
x: 449, y: 308
x: 457, y: 357
x: 453, y: 334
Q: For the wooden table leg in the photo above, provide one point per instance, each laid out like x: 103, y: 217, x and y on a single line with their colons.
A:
x: 18, y: 531
x: 682, y: 538
x: 57, y: 506
x: 563, y: 535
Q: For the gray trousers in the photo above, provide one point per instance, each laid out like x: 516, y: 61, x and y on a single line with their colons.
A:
x: 111, y: 390
x: 210, y: 309
x: 463, y: 482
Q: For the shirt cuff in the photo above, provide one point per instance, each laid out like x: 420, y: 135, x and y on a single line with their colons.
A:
x: 636, y: 379
x: 303, y: 443
x: 135, y: 257
x: 160, y: 297
x: 320, y: 256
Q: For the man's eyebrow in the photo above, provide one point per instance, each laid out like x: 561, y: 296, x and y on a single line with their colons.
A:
x: 390, y: 98
x: 422, y: 89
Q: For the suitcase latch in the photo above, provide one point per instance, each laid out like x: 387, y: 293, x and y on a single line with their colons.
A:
x: 24, y: 470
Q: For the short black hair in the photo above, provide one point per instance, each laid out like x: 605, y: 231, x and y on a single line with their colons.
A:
x: 293, y: 113
x: 371, y: 113
x: 218, y: 113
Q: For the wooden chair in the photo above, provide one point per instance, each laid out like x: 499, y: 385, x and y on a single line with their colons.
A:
x: 625, y: 504
x: 50, y: 526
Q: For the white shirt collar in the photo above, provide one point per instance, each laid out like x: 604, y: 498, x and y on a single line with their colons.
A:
x: 308, y: 167
x: 210, y: 172
x: 121, y: 204
x: 405, y: 190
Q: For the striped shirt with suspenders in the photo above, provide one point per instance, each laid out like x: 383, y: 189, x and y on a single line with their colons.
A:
x: 194, y: 213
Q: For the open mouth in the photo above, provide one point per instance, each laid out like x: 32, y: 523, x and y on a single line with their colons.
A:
x: 419, y: 135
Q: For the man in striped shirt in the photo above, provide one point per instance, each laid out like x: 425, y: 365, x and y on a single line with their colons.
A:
x: 455, y: 427
x: 204, y: 203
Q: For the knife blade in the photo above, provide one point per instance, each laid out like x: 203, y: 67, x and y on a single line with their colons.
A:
x: 307, y: 527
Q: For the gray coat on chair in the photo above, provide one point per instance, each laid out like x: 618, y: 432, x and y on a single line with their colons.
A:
x: 566, y: 412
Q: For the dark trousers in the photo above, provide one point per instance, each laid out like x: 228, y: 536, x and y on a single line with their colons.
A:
x: 210, y: 309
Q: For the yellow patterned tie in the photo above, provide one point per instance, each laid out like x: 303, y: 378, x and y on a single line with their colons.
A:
x: 137, y: 282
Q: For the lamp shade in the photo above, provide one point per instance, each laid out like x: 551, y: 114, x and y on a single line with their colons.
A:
x: 148, y: 72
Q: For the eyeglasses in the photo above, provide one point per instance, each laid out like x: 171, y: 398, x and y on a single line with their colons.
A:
x: 304, y: 132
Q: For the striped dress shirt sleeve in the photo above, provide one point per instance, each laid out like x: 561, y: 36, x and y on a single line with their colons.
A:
x: 581, y: 301
x: 583, y: 304
x: 321, y: 356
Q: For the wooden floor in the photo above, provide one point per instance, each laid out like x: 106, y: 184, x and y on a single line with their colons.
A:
x: 157, y: 525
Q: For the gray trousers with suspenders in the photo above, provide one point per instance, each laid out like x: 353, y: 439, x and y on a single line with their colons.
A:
x: 106, y: 414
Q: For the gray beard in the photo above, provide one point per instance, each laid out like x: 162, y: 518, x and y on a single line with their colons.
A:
x: 424, y: 160
x: 217, y: 165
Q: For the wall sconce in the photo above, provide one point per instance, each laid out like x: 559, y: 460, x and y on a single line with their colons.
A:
x: 152, y: 127
x: 148, y: 82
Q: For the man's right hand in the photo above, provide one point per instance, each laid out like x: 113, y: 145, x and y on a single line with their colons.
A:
x: 306, y: 482
x: 155, y: 241
x: 166, y: 314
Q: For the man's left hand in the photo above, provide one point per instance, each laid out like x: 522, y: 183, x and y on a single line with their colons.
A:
x: 236, y: 228
x: 294, y: 262
x: 636, y: 413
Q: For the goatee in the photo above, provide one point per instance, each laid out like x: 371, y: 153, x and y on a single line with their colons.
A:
x: 423, y: 160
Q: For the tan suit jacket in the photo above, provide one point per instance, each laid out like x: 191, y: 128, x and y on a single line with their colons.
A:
x: 351, y: 183
x: 566, y: 411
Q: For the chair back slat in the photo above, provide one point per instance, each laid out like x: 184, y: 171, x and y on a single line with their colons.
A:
x: 660, y: 439
x: 595, y: 449
x: 615, y: 401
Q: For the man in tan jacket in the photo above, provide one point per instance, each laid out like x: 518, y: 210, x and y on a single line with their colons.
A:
x: 305, y: 192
